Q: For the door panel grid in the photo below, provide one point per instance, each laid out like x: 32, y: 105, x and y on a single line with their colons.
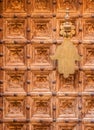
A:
x: 33, y: 95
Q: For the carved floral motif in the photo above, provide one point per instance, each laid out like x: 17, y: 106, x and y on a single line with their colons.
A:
x: 41, y: 127
x: 89, y: 81
x: 15, y: 28
x: 67, y: 107
x: 42, y: 5
x: 15, y: 5
x: 41, y: 28
x: 67, y: 84
x: 89, y: 107
x: 41, y: 106
x: 14, y: 81
x: 90, y: 56
x: 89, y: 128
x: 66, y: 128
x: 41, y: 54
x: 15, y: 55
x: 89, y: 28
x: 89, y: 5
x: 41, y: 81
x: 71, y: 4
x: 14, y: 107
x: 15, y: 126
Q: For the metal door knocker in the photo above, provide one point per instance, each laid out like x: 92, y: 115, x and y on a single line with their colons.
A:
x: 66, y: 54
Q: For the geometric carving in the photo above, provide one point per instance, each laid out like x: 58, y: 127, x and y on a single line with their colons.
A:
x: 88, y: 28
x: 39, y: 126
x: 68, y: 84
x: 42, y: 5
x: 88, y: 81
x: 15, y: 28
x: 41, y: 28
x: 88, y: 54
x: 15, y: 5
x: 41, y: 55
x: 88, y: 126
x: 89, y: 6
x: 14, y: 107
x: 16, y: 126
x: 67, y: 107
x: 15, y: 81
x: 88, y: 107
x: 67, y: 127
x: 41, y: 107
x: 71, y: 4
x: 41, y: 81
x: 15, y: 54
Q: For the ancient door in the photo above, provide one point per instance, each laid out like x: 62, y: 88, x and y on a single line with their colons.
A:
x: 33, y: 95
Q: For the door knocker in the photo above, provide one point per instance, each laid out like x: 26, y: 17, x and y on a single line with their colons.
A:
x: 66, y: 54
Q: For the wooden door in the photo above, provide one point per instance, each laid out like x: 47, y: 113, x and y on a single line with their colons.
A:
x: 33, y: 95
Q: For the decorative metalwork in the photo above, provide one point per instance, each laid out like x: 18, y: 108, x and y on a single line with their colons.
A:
x: 66, y: 54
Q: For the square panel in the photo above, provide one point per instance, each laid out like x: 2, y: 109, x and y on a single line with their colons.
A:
x: 88, y: 6
x: 69, y: 84
x: 15, y: 54
x: 15, y: 6
x: 15, y: 81
x: 88, y: 29
x: 88, y: 81
x: 42, y: 28
x: 42, y: 6
x: 15, y: 28
x: 62, y: 5
x: 88, y: 126
x: 15, y: 126
x: 39, y: 126
x: 41, y: 54
x: 67, y: 126
x: 41, y: 81
x: 88, y: 54
x: 88, y: 106
x: 15, y: 107
x: 67, y: 107
x: 42, y: 107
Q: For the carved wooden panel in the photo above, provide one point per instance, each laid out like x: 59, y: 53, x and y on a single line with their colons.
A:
x: 88, y: 54
x: 33, y: 95
x: 14, y: 107
x: 15, y: 28
x: 40, y: 54
x: 88, y: 28
x: 15, y: 126
x: 17, y: 6
x: 67, y: 126
x: 41, y: 28
x: 39, y: 126
x: 42, y: 106
x: 15, y: 81
x: 69, y: 84
x: 88, y: 126
x: 89, y: 6
x: 88, y: 107
x: 73, y: 5
x: 41, y: 81
x: 88, y: 81
x: 67, y: 107
x: 42, y: 6
x: 15, y: 54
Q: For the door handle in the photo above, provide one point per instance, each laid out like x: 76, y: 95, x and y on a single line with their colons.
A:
x: 66, y: 54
